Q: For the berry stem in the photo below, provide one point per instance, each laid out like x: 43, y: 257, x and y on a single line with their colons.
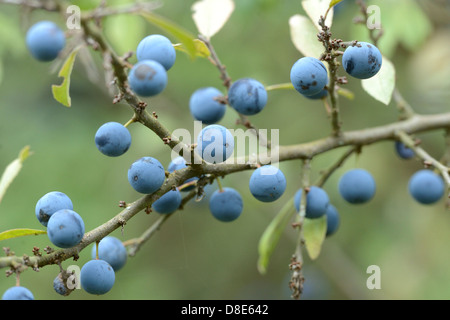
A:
x: 220, y: 184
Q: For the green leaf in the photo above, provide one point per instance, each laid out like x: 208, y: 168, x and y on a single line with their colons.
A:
x: 61, y: 92
x: 314, y: 231
x: 304, y: 36
x: 272, y: 234
x: 317, y: 8
x: 14, y: 233
x: 12, y: 170
x: 334, y: 2
x: 184, y: 36
x: 381, y: 85
x: 201, y: 50
x: 282, y: 86
x: 346, y: 93
x: 211, y: 15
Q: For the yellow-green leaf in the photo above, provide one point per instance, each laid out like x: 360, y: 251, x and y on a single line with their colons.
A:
x: 272, y: 234
x: 14, y: 233
x: 334, y: 2
x: 61, y: 92
x: 12, y: 170
x: 314, y: 231
x: 346, y: 93
x: 184, y: 36
x: 201, y: 50
x: 304, y: 36
x: 287, y: 85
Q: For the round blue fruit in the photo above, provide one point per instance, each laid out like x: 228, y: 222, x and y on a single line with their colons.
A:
x: 146, y: 175
x: 226, y: 205
x: 147, y: 78
x: 403, y: 151
x: 205, y: 107
x: 267, y: 183
x: 158, y: 48
x: 97, y: 277
x: 317, y: 202
x: 247, y: 96
x: 65, y: 228
x: 426, y: 187
x: 317, y: 96
x: 215, y: 143
x: 357, y: 186
x: 45, y: 40
x: 309, y: 76
x: 111, y: 250
x: 49, y: 204
x: 333, y: 220
x: 362, y: 62
x: 18, y: 293
x: 168, y: 203
x: 177, y: 164
x: 113, y: 139
x: 60, y: 286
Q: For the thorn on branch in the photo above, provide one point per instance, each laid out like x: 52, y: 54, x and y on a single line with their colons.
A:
x: 148, y: 210
x: 154, y: 115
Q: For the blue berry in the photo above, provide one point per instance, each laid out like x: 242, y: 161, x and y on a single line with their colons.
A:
x: 204, y: 106
x: 317, y: 96
x: 226, y: 205
x: 247, y: 96
x: 426, y: 187
x: 65, y: 228
x: 177, y: 164
x: 317, y: 202
x: 215, y: 143
x: 403, y: 151
x: 357, y: 186
x: 113, y: 139
x: 18, y: 293
x: 362, y: 62
x: 147, y: 78
x: 97, y: 277
x: 157, y: 47
x: 146, y: 175
x: 333, y: 220
x: 49, y: 204
x: 45, y: 40
x: 309, y: 76
x: 60, y: 285
x: 267, y: 183
x: 111, y: 250
x: 168, y: 203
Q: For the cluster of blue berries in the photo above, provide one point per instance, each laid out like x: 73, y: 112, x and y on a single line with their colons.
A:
x: 309, y: 75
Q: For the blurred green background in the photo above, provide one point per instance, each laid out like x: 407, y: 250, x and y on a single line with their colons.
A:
x: 194, y: 256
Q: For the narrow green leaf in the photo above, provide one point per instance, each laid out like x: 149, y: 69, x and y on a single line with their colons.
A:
x: 61, y: 92
x: 314, y: 231
x: 184, y: 36
x: 381, y: 86
x: 12, y: 170
x: 287, y: 85
x: 272, y: 234
x: 346, y: 93
x: 201, y: 50
x: 304, y: 36
x: 14, y: 233
x: 334, y: 2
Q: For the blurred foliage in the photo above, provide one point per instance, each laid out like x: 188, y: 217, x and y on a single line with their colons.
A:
x: 193, y: 256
